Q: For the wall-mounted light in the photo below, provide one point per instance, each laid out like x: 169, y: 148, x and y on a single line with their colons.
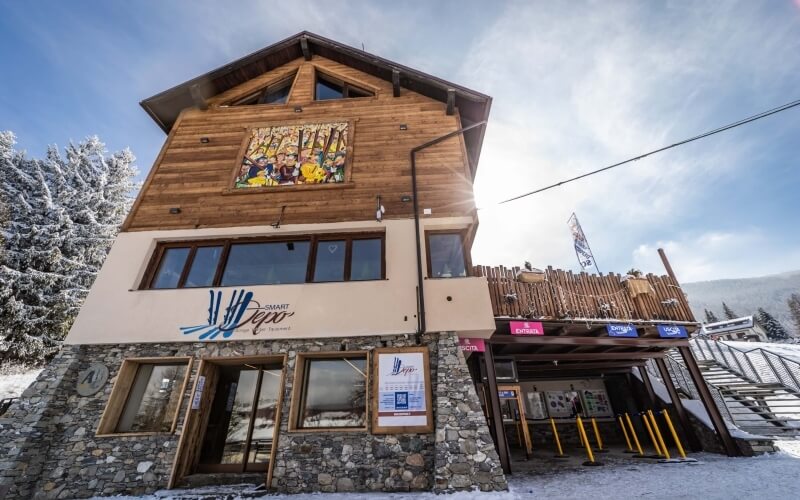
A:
x: 175, y: 210
x: 379, y: 210
x: 205, y: 140
x: 405, y: 198
x: 298, y: 109
x: 403, y: 126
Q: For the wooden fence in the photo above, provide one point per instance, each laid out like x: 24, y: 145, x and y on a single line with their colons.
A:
x: 567, y: 295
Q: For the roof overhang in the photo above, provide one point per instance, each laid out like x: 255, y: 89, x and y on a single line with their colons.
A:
x: 472, y: 106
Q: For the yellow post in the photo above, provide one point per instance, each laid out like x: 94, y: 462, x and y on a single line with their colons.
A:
x: 661, y: 442
x: 585, y: 440
x: 633, y: 433
x: 674, y: 434
x: 558, y: 441
x: 625, y: 433
x: 650, y: 432
x: 597, y: 435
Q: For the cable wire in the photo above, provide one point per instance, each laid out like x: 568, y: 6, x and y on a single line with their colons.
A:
x: 723, y: 128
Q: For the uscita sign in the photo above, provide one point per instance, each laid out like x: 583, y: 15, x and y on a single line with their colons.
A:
x: 472, y: 345
x: 672, y: 332
x: 526, y: 328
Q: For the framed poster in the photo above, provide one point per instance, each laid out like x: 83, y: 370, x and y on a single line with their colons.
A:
x: 401, y: 391
x: 596, y: 403
x: 537, y: 409
x: 558, y: 404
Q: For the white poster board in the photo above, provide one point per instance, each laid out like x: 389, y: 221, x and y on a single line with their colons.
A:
x: 401, y: 384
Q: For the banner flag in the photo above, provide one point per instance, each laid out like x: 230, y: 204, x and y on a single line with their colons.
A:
x: 582, y: 250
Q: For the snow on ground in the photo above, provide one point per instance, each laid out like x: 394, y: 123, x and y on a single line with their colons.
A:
x: 713, y: 477
x: 14, y: 380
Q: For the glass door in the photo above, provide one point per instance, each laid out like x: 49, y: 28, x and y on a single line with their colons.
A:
x: 242, y: 420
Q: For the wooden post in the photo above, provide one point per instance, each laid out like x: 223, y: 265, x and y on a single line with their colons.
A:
x: 451, y: 101
x: 667, y: 265
x: 688, y: 430
x: 305, y: 48
x: 497, y: 417
x: 396, y: 83
x: 708, y: 402
x: 197, y: 97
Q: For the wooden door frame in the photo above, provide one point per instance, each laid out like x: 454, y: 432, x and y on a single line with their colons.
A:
x: 522, y: 418
x: 179, y: 467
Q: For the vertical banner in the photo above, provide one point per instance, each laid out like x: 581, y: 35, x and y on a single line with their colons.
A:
x: 401, y: 384
x: 582, y: 250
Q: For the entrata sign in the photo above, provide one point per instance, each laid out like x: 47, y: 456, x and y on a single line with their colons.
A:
x: 672, y: 332
x: 615, y: 330
x: 472, y: 345
x: 526, y: 328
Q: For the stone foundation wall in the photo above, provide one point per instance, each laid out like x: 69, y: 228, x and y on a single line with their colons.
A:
x: 48, y: 447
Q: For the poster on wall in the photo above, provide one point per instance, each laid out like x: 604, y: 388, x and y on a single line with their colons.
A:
x: 537, y: 410
x: 401, y: 391
x: 285, y: 155
x: 559, y: 405
x: 596, y: 403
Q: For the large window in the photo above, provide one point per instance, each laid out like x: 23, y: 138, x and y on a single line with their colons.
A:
x: 146, y: 397
x: 330, y: 391
x: 324, y: 258
x: 447, y: 257
x: 276, y: 93
x: 327, y: 88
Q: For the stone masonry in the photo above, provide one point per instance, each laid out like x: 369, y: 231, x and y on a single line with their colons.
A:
x: 48, y: 447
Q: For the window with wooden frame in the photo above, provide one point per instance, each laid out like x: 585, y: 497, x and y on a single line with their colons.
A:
x: 146, y: 397
x: 327, y: 88
x: 260, y: 261
x: 448, y: 256
x: 276, y: 93
x: 330, y: 391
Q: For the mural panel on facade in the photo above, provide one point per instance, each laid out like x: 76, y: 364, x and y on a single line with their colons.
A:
x: 311, y: 153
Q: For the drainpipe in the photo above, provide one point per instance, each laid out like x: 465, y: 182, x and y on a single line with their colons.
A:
x: 421, y: 326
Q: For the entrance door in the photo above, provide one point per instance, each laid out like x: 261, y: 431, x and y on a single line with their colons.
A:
x: 242, y: 419
x: 513, y: 413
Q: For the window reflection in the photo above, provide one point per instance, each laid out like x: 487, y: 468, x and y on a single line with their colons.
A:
x: 204, y: 267
x: 334, y: 393
x: 329, y: 263
x: 446, y: 256
x: 264, y: 421
x: 266, y: 263
x: 169, y: 272
x: 367, y: 261
x: 153, y: 399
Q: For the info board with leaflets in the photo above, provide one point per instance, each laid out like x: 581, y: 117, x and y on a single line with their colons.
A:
x: 596, y: 403
x: 401, y: 391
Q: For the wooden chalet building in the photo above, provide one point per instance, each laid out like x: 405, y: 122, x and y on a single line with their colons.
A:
x: 285, y: 302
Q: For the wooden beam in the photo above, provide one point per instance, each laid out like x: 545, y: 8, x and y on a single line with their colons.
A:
x: 551, y: 340
x: 396, y: 82
x: 197, y: 97
x: 451, y: 101
x: 688, y: 430
x: 577, y: 366
x: 305, y: 48
x: 494, y: 408
x: 587, y: 356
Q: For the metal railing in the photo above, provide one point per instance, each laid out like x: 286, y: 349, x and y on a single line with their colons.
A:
x: 756, y: 365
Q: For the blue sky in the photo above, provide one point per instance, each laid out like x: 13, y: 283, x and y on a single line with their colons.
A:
x: 576, y: 85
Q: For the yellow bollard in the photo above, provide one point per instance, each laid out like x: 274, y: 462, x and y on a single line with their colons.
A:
x: 635, y: 437
x: 597, y: 437
x: 674, y: 434
x: 585, y: 440
x: 650, y: 432
x: 558, y: 441
x: 625, y: 433
x: 661, y: 442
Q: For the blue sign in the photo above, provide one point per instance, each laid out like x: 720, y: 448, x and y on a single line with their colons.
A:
x: 672, y: 332
x: 401, y: 400
x: 615, y: 330
x: 507, y: 394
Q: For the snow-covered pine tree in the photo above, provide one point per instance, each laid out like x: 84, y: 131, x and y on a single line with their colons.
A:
x: 775, y: 331
x: 728, y: 312
x: 70, y: 210
x: 710, y: 316
x: 33, y: 274
x: 794, y: 311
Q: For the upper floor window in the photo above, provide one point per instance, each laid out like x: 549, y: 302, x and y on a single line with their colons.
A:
x: 323, y: 258
x: 277, y: 93
x: 327, y: 88
x: 447, y: 256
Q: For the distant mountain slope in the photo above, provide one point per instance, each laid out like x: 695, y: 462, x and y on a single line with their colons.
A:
x: 745, y: 296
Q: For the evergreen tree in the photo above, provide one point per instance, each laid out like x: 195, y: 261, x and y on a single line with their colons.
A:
x: 710, y: 316
x: 794, y: 310
x: 62, y: 215
x: 775, y: 331
x: 728, y: 312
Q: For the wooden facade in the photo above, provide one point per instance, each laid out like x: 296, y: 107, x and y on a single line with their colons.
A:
x: 194, y: 170
x: 564, y: 295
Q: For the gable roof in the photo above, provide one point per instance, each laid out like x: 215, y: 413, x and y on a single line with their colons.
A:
x: 473, y: 106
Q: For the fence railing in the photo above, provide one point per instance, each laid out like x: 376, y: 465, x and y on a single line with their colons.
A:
x: 557, y: 294
x: 756, y: 365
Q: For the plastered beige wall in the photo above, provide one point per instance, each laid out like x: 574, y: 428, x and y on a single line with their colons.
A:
x: 115, y: 311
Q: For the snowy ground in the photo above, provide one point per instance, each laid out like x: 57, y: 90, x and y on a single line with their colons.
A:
x: 713, y: 477
x: 14, y: 380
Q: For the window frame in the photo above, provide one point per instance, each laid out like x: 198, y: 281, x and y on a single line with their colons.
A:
x: 157, y: 256
x: 261, y: 92
x: 299, y: 384
x: 120, y: 393
x: 346, y: 85
x: 463, y: 234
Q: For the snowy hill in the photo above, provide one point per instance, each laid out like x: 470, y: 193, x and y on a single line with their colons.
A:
x: 746, y: 295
